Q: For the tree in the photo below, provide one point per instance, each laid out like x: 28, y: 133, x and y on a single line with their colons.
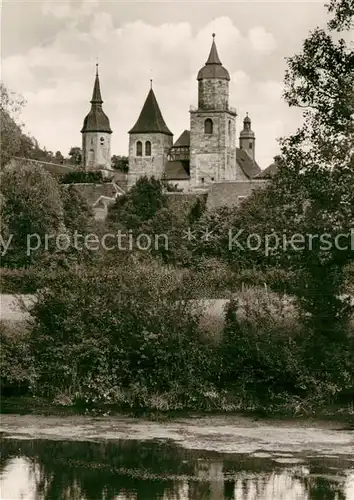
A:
x: 120, y: 163
x: 139, y: 205
x: 317, y: 165
x: 75, y: 154
x: 32, y: 209
x: 59, y: 158
x: 77, y: 213
x: 312, y: 195
x: 13, y: 141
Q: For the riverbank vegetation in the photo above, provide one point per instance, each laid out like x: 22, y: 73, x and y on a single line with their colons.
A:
x: 124, y: 328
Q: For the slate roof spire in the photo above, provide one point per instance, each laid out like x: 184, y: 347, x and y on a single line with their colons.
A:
x: 213, y: 67
x: 150, y: 119
x: 96, y: 94
x: 213, y: 56
x: 96, y: 120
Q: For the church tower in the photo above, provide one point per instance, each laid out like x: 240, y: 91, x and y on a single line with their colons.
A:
x: 212, y: 126
x: 150, y: 141
x: 96, y: 133
x: 247, y: 138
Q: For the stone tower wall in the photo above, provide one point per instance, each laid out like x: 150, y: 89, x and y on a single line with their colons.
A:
x: 96, y: 152
x: 212, y: 156
x: 153, y: 165
x: 249, y: 145
x: 213, y: 94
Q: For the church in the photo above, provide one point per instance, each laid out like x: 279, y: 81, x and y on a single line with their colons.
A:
x: 201, y: 157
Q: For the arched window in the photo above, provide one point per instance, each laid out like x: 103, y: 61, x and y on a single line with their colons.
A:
x: 208, y: 126
x: 147, y: 148
x: 229, y: 128
x: 139, y: 148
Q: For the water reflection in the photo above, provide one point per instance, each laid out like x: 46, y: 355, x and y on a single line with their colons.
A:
x: 131, y: 470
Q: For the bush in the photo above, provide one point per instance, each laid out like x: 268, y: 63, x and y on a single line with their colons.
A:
x: 17, y: 373
x: 268, y: 354
x: 100, y: 333
x: 81, y: 176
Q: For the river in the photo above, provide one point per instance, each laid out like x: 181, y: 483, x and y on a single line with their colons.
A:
x: 194, y: 458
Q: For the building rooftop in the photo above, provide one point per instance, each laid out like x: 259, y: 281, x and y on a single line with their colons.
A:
x: 150, y: 119
x: 183, y: 140
x: 213, y: 67
x: 96, y: 120
x: 248, y: 166
x: 177, y: 170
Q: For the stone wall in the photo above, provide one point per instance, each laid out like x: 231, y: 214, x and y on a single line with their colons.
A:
x: 153, y: 165
x: 96, y: 147
x: 213, y: 94
x: 212, y: 156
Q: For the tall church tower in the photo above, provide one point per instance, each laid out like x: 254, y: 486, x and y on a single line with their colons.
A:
x: 212, y: 126
x: 150, y: 141
x: 248, y: 138
x: 96, y: 133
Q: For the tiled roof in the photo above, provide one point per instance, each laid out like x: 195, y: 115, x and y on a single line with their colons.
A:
x: 96, y: 94
x: 249, y: 167
x: 213, y: 67
x: 231, y: 193
x: 96, y: 120
x: 183, y: 140
x: 150, y: 119
x: 268, y: 172
x: 177, y: 170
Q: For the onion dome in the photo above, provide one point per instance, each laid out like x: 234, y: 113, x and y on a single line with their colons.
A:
x: 247, y: 132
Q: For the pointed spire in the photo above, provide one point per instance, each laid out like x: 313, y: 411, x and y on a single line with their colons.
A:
x: 96, y: 94
x: 96, y: 120
x: 213, y: 67
x: 213, y: 56
x: 150, y: 119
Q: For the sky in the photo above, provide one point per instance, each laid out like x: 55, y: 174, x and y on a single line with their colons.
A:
x: 49, y: 49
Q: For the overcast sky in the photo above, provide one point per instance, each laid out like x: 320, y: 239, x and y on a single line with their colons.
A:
x: 50, y: 47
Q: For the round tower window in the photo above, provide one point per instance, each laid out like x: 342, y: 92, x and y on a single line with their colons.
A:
x: 102, y: 140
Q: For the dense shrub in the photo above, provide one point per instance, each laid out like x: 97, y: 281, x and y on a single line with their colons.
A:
x: 269, y: 354
x: 17, y: 372
x: 81, y: 176
x: 98, y: 334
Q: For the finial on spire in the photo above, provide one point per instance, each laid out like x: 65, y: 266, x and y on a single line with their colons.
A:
x: 213, y: 35
x: 97, y: 69
x: 151, y: 83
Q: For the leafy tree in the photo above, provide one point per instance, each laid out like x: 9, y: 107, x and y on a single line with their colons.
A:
x: 75, y: 154
x: 77, y: 213
x: 32, y: 205
x: 120, y: 163
x: 59, y: 158
x: 140, y: 205
x: 13, y: 141
x: 343, y: 11
x: 317, y: 165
